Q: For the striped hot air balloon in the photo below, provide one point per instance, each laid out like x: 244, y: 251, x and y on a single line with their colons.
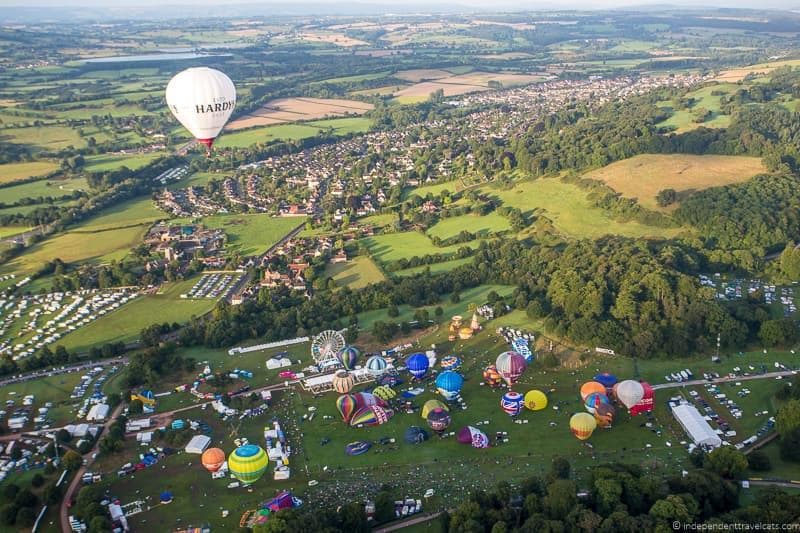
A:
x: 582, y: 425
x: 384, y: 393
x: 594, y: 400
x: 451, y: 362
x: 473, y: 436
x: 247, y: 463
x: 430, y: 405
x: 346, y: 404
x: 376, y: 365
x: 511, y: 403
x: 511, y: 365
x: 348, y: 356
x: 591, y: 387
x: 374, y: 415
x: 342, y: 381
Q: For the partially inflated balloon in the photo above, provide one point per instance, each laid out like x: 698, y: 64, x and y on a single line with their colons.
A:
x: 430, y: 405
x: 202, y: 99
x: 629, y: 392
x: 473, y: 436
x: 374, y: 415
x: 582, y: 425
x: 491, y: 376
x: 213, y: 459
x: 591, y: 387
x: 594, y: 400
x: 604, y: 414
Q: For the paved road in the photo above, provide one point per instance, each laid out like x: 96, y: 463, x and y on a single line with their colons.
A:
x: 419, y: 519
x: 76, y: 480
x: 724, y: 379
x: 787, y: 483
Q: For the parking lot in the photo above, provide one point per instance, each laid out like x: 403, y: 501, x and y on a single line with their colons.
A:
x: 214, y: 285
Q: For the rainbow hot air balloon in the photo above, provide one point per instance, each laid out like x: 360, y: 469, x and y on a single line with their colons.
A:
x: 247, y: 463
x: 535, y: 400
x: 367, y: 399
x: 202, y: 99
x: 590, y: 387
x: 374, y: 415
x: 582, y: 425
x: 593, y: 400
x: 511, y: 403
x: 376, y: 365
x: 449, y: 384
x: 348, y: 357
x: 604, y: 414
x: 346, y: 404
x: 473, y: 436
x: 629, y: 392
x: 430, y: 405
x: 438, y: 419
x: 342, y: 381
x: 491, y: 376
x: 417, y: 364
x: 212, y: 459
x: 510, y: 365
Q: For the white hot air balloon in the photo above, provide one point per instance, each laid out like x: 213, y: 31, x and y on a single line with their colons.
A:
x: 202, y: 99
x: 629, y: 392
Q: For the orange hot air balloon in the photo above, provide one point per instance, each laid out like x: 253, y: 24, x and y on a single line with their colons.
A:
x: 591, y: 387
x: 582, y: 425
x: 213, y: 459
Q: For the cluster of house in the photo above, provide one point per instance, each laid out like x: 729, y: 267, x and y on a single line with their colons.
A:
x: 182, y: 243
x: 189, y: 202
x: 47, y: 317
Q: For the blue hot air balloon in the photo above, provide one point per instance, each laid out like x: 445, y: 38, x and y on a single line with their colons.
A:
x: 376, y: 365
x: 417, y: 364
x: 606, y: 380
x: 449, y: 384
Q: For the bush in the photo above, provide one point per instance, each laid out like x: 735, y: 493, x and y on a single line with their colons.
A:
x: 38, y: 480
x: 758, y: 461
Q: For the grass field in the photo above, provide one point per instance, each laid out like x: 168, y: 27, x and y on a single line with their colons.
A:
x: 44, y: 137
x: 291, y: 132
x: 35, y: 189
x: 444, y: 266
x: 104, y: 162
x: 435, y: 189
x: 18, y: 171
x: 643, y: 176
x: 7, y: 231
x: 137, y: 212
x: 252, y: 234
x: 286, y: 110
x: 481, y: 225
x: 738, y: 74
x: 125, y: 323
x: 77, y: 247
x: 358, y: 272
x: 682, y: 120
x: 393, y: 246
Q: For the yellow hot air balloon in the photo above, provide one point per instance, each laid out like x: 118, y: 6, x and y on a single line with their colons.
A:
x: 535, y: 400
x: 582, y: 425
x: 430, y: 405
x: 591, y: 387
x: 248, y: 463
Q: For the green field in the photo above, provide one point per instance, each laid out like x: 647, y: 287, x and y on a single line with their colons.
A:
x: 444, y: 266
x: 105, y: 162
x: 567, y: 207
x: 435, y: 189
x: 125, y: 323
x: 292, y: 132
x: 682, y: 119
x: 77, y: 247
x: 393, y: 246
x: 475, y: 295
x: 358, y: 272
x: 253, y: 234
x: 481, y: 225
x: 45, y: 188
x: 44, y: 137
x: 7, y: 231
x: 137, y: 212
x: 351, y: 79
x: 18, y: 171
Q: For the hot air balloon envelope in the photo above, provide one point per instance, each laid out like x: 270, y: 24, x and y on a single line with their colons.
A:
x: 629, y: 392
x: 646, y: 404
x: 511, y: 403
x: 451, y: 362
x: 212, y: 459
x: 591, y: 387
x: 357, y: 448
x: 439, y: 419
x: 593, y: 400
x: 491, y: 376
x: 535, y: 400
x: 202, y: 99
x: 374, y: 415
x: 416, y: 435
x: 582, y: 425
x: 346, y: 404
x: 510, y: 365
x: 348, y: 356
x: 248, y: 463
x: 449, y: 384
x: 606, y: 380
x: 342, y: 381
x: 604, y: 414
x: 473, y: 436
x: 430, y: 405
x: 376, y: 365
x: 417, y: 364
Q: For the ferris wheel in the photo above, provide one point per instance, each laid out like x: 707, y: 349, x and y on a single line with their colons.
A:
x: 325, y: 345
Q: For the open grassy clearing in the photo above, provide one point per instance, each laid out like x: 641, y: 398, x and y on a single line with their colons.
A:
x: 253, y: 234
x: 284, y: 110
x: 393, y: 246
x: 24, y: 209
x: 738, y: 74
x: 136, y: 212
x: 356, y: 273
x: 481, y: 225
x: 682, y: 120
x: 356, y: 78
x: 435, y: 189
x: 643, y: 176
x: 44, y: 137
x: 567, y: 207
x: 291, y: 132
x: 7, y: 231
x: 105, y: 162
x: 45, y: 188
x: 125, y: 323
x: 435, y: 268
x: 77, y: 247
x: 18, y: 171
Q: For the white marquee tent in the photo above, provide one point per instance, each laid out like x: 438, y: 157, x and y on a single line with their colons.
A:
x: 695, y: 425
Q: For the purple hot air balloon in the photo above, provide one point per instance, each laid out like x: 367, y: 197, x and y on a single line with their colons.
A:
x: 348, y: 356
x: 417, y: 364
x: 511, y: 365
x: 346, y: 404
x: 473, y: 436
x: 439, y: 419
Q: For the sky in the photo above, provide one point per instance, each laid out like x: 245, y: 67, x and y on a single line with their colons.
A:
x: 506, y: 4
